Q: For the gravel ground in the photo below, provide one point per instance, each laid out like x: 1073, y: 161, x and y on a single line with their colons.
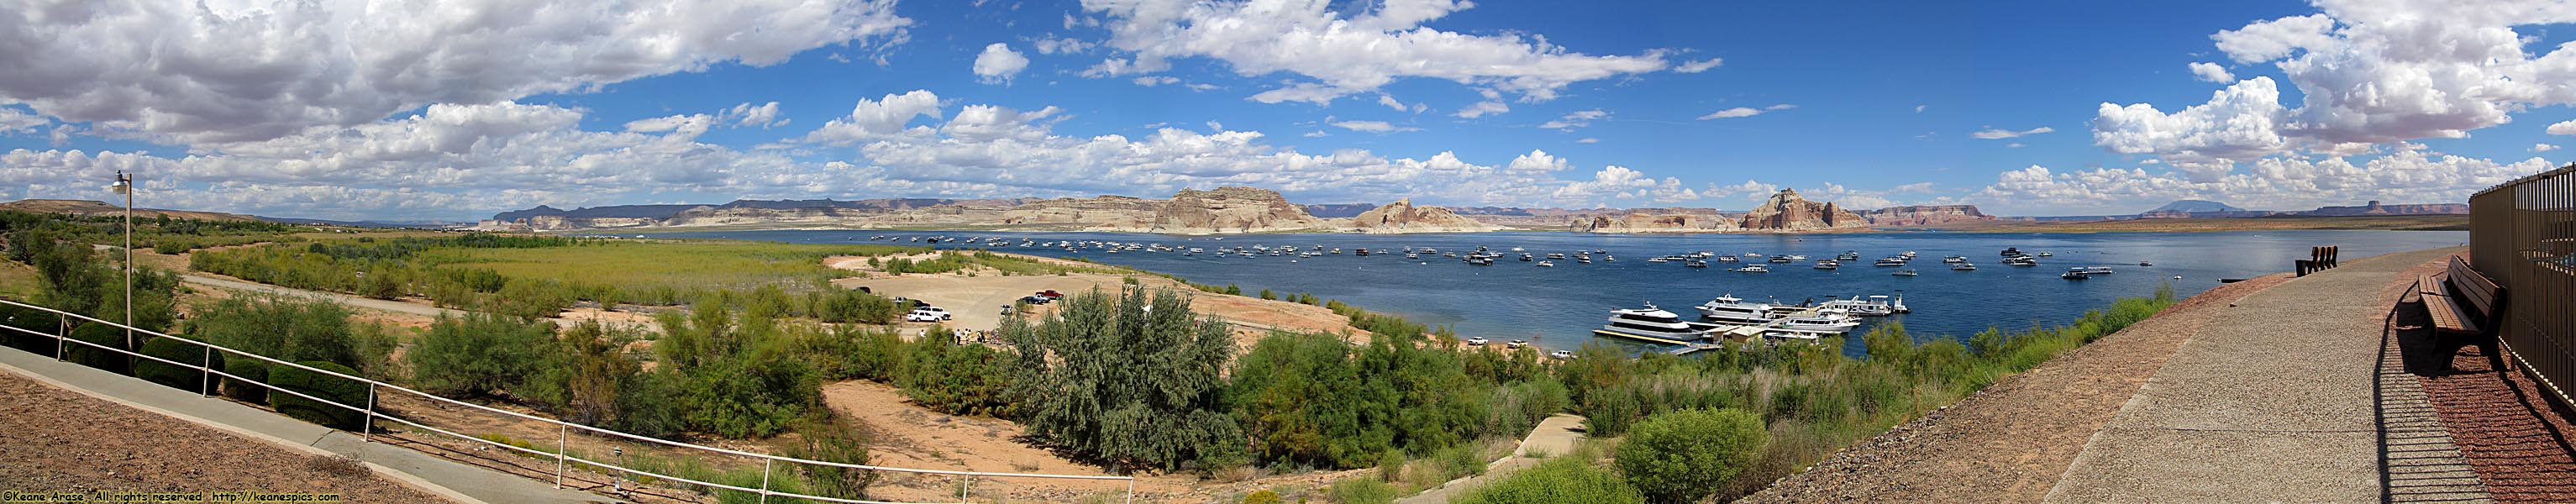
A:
x: 2513, y: 436
x: 61, y: 441
x: 1994, y: 438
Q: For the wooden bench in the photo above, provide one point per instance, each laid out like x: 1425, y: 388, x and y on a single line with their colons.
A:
x: 2319, y: 258
x: 2465, y: 307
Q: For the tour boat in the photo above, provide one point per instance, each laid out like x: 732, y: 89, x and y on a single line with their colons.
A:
x: 1826, y: 320
x: 1652, y: 323
x: 2095, y: 270
x: 1729, y: 308
x: 1753, y: 268
x: 1873, y: 306
x: 2021, y: 261
x: 1889, y: 262
x: 2074, y: 274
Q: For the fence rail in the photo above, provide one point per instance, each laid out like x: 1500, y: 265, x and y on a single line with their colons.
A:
x: 562, y: 455
x: 2523, y: 234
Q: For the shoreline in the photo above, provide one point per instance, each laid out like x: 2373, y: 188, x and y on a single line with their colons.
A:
x: 2207, y: 225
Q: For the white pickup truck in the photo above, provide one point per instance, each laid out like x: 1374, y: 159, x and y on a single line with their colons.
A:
x: 926, y: 314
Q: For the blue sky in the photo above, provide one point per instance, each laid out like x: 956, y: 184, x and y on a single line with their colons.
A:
x: 457, y: 110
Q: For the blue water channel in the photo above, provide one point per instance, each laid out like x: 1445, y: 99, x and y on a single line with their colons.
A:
x: 1556, y: 308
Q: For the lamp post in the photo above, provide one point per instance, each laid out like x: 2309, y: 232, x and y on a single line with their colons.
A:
x: 125, y: 186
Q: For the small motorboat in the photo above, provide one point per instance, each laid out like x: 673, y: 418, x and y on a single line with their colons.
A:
x: 2144, y: 263
x: 1904, y: 272
x: 1753, y: 268
x: 1547, y: 264
x: 1963, y: 267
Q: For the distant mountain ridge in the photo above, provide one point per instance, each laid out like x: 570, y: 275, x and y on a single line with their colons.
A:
x: 2195, y: 206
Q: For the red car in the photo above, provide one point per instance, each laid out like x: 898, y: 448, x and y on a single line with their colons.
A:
x: 1051, y: 293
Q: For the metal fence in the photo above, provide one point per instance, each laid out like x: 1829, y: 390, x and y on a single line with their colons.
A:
x: 564, y: 457
x: 2523, y: 234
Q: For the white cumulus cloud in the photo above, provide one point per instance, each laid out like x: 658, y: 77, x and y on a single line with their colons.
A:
x: 1345, y: 52
x: 255, y: 70
x: 2211, y: 72
x: 1698, y: 66
x: 998, y: 63
x: 1371, y: 126
x: 2564, y: 128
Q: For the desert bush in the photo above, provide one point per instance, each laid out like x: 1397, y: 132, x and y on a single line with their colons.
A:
x: 651, y: 404
x: 952, y: 378
x: 1565, y: 480
x: 1361, y: 491
x: 479, y: 354
x: 331, y: 388
x: 1682, y: 456
x: 756, y: 395
x: 277, y: 328
x: 833, y: 441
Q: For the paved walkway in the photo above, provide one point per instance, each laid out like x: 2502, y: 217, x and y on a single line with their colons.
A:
x: 461, y: 482
x: 2275, y: 400
x: 1554, y: 437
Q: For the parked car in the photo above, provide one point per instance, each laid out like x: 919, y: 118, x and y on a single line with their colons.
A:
x: 1561, y: 354
x: 1037, y: 299
x: 928, y: 313
x: 1050, y: 293
x: 1516, y: 344
x: 1477, y: 340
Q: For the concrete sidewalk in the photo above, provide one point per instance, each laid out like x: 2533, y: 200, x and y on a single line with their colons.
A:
x: 444, y: 477
x: 2275, y: 400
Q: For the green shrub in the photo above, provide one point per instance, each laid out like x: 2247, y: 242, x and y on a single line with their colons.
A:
x: 104, y: 359
x: 952, y: 378
x: 650, y: 404
x: 479, y: 354
x: 832, y: 441
x: 1683, y: 456
x: 332, y: 388
x: 1390, y: 467
x: 752, y: 396
x: 1564, y: 480
x: 176, y: 350
x: 1361, y: 491
x: 44, y: 326
x: 1261, y: 497
x: 278, y: 328
x: 1133, y: 378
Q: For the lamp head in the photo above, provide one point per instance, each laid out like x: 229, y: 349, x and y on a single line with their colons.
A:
x: 124, y: 183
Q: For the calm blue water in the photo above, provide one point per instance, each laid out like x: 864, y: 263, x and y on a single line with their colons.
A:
x: 1558, y: 307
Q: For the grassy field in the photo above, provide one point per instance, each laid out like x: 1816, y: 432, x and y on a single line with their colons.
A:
x: 2387, y: 223
x: 687, y: 264
x: 19, y: 281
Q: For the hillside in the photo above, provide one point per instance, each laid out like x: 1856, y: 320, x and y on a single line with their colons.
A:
x: 87, y: 208
x: 2195, y: 206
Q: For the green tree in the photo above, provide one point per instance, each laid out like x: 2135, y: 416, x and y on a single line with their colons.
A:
x: 1135, y: 379
x: 1682, y: 456
x: 479, y: 354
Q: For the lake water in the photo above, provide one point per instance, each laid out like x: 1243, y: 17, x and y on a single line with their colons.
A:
x: 1558, y: 307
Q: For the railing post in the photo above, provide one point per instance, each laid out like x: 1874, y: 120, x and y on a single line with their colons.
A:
x: 62, y: 335
x: 369, y: 431
x: 1131, y: 489
x: 563, y: 436
x: 962, y: 486
x: 206, y: 388
x: 765, y: 464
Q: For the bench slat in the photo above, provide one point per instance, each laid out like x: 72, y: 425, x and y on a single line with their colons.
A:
x: 2446, y: 315
x: 2469, y: 285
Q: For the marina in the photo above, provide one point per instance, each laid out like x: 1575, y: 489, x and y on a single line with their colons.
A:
x: 1556, y: 308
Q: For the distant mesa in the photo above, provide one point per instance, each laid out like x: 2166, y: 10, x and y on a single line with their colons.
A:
x: 2199, y: 209
x: 1403, y: 217
x: 1786, y: 211
x: 1226, y: 210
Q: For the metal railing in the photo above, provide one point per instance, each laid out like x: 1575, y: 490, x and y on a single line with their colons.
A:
x: 2523, y: 234
x: 562, y: 455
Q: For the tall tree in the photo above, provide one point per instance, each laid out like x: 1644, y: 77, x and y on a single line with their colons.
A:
x: 1134, y: 378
